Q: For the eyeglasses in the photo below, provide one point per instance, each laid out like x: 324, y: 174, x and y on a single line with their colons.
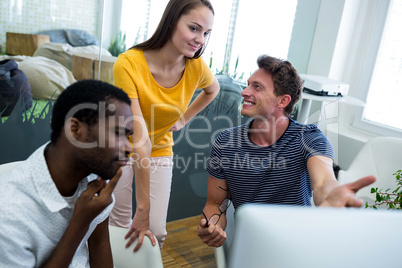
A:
x: 222, y: 209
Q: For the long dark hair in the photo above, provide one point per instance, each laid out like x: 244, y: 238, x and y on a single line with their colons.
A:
x: 173, y: 12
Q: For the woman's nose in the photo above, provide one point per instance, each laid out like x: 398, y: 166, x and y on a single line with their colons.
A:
x: 200, y: 39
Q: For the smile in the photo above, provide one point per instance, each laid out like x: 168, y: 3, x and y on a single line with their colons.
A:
x: 248, y: 103
x: 195, y: 48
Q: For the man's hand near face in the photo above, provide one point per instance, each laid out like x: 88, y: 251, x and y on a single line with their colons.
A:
x: 94, y: 199
x: 88, y: 206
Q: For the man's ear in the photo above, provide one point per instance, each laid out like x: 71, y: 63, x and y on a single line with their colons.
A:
x: 284, y: 101
x: 73, y: 128
x: 76, y: 133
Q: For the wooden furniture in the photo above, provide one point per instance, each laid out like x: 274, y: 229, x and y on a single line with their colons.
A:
x: 86, y: 66
x: 24, y: 44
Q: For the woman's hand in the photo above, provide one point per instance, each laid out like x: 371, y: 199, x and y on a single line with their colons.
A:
x: 178, y: 125
x: 139, y: 229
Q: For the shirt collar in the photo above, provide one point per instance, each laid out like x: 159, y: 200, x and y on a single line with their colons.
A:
x: 43, y: 182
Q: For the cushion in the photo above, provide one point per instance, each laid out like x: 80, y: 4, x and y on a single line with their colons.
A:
x: 63, y: 53
x: 73, y: 37
x: 17, y: 58
x: 47, y: 77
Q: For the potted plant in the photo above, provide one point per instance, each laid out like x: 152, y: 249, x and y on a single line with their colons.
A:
x: 391, y: 200
x: 118, y: 44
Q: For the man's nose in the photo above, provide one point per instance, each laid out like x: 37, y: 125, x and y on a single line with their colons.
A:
x: 245, y: 92
x: 127, y: 147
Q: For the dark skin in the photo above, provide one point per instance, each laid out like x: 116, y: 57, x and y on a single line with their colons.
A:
x: 87, y: 207
x: 68, y: 164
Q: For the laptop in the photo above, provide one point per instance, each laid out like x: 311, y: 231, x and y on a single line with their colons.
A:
x: 312, y: 237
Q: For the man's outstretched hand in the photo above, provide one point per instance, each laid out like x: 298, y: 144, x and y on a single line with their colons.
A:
x: 345, y: 195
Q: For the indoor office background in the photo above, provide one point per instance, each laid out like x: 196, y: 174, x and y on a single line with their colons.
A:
x: 353, y: 41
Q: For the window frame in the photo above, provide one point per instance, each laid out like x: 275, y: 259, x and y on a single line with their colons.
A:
x: 381, y: 16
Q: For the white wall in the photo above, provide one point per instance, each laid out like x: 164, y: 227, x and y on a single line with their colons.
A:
x: 31, y: 16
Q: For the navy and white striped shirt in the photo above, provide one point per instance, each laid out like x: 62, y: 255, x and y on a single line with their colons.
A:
x: 275, y: 174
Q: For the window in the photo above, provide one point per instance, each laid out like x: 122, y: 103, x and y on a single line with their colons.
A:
x: 134, y: 21
x: 214, y: 53
x: 262, y: 27
x: 156, y: 10
x: 382, y: 114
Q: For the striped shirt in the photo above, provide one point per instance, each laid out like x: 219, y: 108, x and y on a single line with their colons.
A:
x: 276, y: 174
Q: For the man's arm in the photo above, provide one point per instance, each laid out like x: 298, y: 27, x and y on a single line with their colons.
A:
x: 327, y: 191
x: 100, y: 253
x: 322, y: 177
x: 87, y: 207
x: 213, y: 235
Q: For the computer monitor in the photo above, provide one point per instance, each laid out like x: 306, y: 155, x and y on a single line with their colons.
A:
x: 269, y: 236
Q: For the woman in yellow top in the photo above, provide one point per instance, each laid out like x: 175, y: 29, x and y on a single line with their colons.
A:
x: 160, y: 77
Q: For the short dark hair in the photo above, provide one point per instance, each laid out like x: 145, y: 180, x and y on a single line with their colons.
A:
x: 173, y: 12
x: 285, y: 78
x: 83, y: 92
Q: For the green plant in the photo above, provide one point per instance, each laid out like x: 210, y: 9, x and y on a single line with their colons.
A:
x: 2, y: 50
x: 225, y: 70
x: 392, y: 200
x: 118, y: 44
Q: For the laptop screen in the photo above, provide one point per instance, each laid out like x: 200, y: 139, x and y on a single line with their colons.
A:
x: 289, y: 237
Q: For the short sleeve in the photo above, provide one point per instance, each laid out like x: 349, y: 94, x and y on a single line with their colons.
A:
x: 123, y: 76
x: 207, y: 78
x: 214, y: 167
x: 316, y: 143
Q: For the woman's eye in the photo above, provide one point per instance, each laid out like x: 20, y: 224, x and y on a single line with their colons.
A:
x: 207, y: 33
x: 193, y: 29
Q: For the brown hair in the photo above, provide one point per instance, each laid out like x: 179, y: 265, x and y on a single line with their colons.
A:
x: 285, y: 77
x: 173, y: 12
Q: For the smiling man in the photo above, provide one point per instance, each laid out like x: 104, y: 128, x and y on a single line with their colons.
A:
x: 272, y: 159
x: 55, y: 204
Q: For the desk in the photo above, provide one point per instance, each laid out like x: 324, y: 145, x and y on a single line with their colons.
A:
x: 305, y: 105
